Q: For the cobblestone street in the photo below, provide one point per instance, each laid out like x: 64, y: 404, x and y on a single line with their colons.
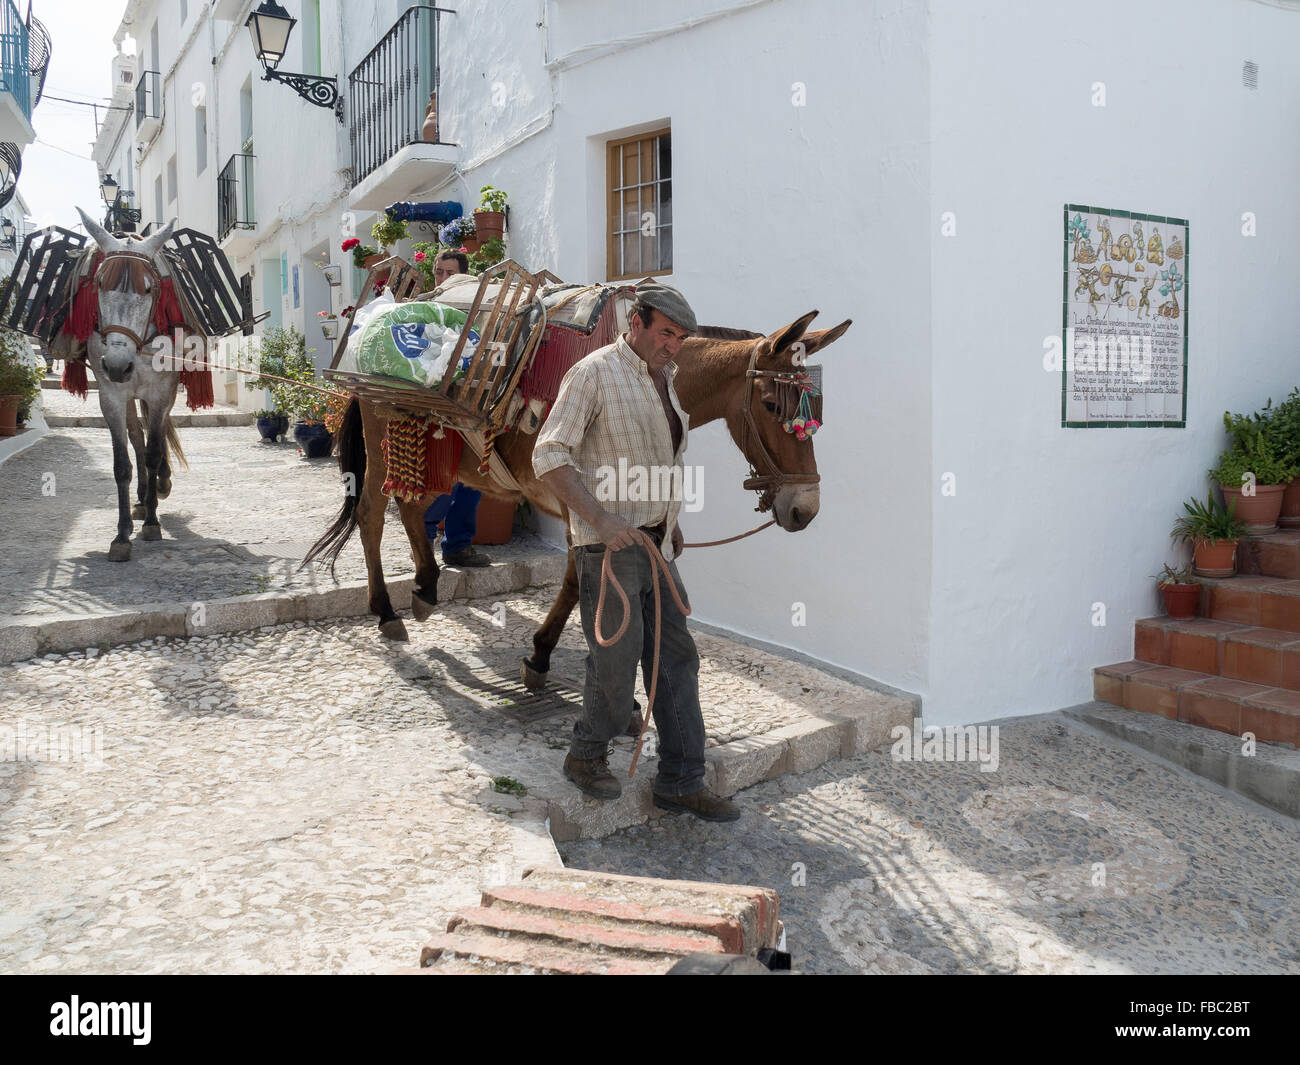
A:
x: 925, y: 867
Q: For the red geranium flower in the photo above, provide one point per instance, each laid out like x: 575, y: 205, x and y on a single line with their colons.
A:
x: 350, y: 243
x: 420, y: 256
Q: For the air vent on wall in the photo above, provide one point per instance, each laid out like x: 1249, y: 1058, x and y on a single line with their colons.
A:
x: 1250, y: 74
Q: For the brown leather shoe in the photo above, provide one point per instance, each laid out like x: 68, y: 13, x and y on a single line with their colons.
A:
x: 592, y: 776
x: 703, y: 804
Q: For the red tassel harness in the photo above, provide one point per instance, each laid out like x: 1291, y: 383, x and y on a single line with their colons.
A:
x: 420, y: 464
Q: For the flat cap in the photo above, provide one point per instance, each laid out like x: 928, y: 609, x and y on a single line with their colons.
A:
x: 669, y: 301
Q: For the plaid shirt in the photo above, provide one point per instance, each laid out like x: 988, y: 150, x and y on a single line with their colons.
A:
x: 609, y: 409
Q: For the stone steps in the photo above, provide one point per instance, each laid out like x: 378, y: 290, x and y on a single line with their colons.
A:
x: 579, y: 921
x: 1236, y: 667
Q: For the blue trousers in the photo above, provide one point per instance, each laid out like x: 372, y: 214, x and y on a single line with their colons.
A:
x: 456, y: 512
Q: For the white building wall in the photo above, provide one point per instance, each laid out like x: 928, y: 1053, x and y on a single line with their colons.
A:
x: 1048, y: 521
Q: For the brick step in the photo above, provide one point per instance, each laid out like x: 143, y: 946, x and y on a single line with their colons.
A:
x: 1275, y: 555
x: 544, y: 957
x: 1272, y: 714
x: 755, y: 909
x: 565, y: 905
x: 1266, y: 602
x: 583, y: 935
x: 1269, y: 657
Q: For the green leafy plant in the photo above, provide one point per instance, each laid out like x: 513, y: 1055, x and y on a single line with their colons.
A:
x: 1258, y: 458
x: 286, y: 360
x: 508, y: 786
x: 491, y: 199
x: 493, y: 252
x: 388, y: 232
x: 19, y: 373
x: 425, y: 255
x: 1283, y: 428
x: 1169, y: 575
x: 1208, y: 522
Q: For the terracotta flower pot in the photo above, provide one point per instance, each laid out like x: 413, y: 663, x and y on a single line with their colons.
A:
x: 1216, y: 558
x: 494, y: 521
x: 1258, y: 511
x: 429, y: 131
x: 472, y: 244
x: 1180, y: 600
x: 9, y: 415
x: 1290, y: 516
x: 490, y: 224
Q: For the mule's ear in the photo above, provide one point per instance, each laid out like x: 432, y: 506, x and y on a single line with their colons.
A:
x: 815, y: 341
x: 780, y: 342
x: 101, y: 236
x: 153, y: 243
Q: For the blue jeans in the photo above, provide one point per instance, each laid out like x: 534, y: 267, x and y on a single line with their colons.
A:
x: 611, y: 671
x: 456, y: 511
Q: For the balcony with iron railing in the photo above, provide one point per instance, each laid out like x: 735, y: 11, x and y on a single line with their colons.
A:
x: 235, y: 196
x: 15, y: 77
x: 148, y: 105
x: 389, y: 97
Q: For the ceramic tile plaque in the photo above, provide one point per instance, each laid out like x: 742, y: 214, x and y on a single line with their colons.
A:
x: 1124, y: 321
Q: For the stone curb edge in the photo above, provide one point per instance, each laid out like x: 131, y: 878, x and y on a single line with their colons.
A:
x: 1271, y: 777
x: 181, y: 421
x: 23, y: 638
x: 791, y: 749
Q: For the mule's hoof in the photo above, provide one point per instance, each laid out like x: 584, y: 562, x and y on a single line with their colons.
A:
x: 393, y: 629
x: 421, y: 608
x: 119, y: 551
x: 164, y: 489
x: 151, y: 532
x: 138, y: 512
x: 534, y: 679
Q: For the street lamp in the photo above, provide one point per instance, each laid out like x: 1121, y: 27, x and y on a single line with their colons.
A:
x: 270, y: 26
x: 120, y: 217
x: 8, y: 235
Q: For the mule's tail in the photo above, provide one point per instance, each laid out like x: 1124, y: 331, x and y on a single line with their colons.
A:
x: 352, y: 463
x: 175, y: 453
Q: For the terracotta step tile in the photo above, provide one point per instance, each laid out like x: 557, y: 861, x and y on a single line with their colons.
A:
x: 1233, y: 598
x: 1151, y: 640
x: 1255, y: 655
x: 1279, y: 606
x: 542, y: 957
x: 1198, y: 644
x: 1108, y: 681
x: 1275, y: 555
x: 1216, y: 703
x: 1156, y: 690
x: 582, y: 935
x: 1273, y: 716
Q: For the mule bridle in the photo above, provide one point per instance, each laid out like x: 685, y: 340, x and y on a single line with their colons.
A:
x: 769, y: 483
x: 155, y: 290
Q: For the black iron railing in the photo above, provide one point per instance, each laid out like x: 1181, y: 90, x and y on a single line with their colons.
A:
x: 389, y: 91
x: 235, y: 196
x: 148, y: 96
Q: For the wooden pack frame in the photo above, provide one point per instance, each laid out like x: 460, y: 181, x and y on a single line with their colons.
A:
x: 479, y: 401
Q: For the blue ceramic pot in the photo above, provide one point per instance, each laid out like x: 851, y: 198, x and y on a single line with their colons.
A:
x: 314, y: 439
x: 273, y: 426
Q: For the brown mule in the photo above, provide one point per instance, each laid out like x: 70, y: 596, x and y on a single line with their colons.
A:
x: 713, y: 381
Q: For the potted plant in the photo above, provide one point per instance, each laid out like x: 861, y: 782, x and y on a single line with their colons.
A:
x: 1253, y: 475
x: 461, y: 233
x: 271, y: 425
x: 490, y: 215
x: 388, y: 232
x: 1180, y: 590
x: 1213, y: 531
x: 329, y: 324
x: 495, y: 521
x: 1283, y: 431
x: 20, y: 379
x: 425, y: 254
x: 364, y: 256
x: 492, y: 252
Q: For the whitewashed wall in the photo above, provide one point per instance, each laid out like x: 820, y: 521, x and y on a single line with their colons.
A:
x: 1049, y: 521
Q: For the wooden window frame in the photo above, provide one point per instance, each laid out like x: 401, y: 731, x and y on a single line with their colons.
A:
x: 614, y: 212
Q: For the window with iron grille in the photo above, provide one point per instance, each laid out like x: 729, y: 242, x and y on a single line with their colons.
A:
x: 639, y: 227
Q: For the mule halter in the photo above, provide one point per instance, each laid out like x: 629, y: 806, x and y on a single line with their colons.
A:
x: 771, y: 482
x: 155, y: 290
